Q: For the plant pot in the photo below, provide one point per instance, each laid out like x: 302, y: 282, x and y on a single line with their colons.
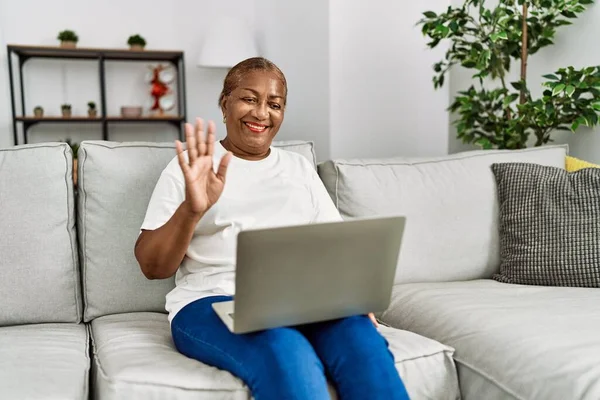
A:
x: 38, y: 113
x: 66, y: 113
x: 92, y: 113
x: 67, y: 44
x: 136, y: 47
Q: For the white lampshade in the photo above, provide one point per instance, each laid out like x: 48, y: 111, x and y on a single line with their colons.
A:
x: 227, y: 42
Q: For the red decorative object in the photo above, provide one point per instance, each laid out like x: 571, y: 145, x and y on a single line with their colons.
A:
x: 158, y: 89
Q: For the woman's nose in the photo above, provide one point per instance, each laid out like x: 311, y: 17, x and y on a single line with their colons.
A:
x: 261, y: 111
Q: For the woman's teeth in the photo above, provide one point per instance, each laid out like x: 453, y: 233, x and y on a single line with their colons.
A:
x: 256, y: 128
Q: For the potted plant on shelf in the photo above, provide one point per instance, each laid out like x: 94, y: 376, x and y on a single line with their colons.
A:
x: 66, y: 110
x: 38, y: 112
x: 136, y: 42
x: 92, y: 111
x: 68, y: 39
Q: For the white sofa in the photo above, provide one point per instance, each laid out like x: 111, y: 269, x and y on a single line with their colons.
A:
x: 78, y: 319
x: 510, y: 341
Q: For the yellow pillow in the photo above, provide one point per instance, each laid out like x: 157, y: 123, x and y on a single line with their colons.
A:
x: 573, y: 164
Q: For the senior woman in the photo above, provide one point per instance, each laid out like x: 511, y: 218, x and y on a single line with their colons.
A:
x: 202, y: 199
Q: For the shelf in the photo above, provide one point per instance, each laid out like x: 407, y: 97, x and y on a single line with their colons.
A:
x: 164, y: 118
x: 95, y: 53
x: 58, y: 119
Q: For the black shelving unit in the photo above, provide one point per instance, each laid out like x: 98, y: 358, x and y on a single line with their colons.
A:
x: 23, y: 53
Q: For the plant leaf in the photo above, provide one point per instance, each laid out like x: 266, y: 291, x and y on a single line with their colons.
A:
x: 570, y: 90
x: 558, y: 89
x: 430, y: 14
x: 551, y: 77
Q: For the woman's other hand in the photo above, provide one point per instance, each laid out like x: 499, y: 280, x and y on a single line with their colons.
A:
x: 373, y: 320
x: 203, y: 186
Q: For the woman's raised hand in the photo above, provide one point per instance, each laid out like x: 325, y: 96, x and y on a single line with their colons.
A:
x: 203, y: 186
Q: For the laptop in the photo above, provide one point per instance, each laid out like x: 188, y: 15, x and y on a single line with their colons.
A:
x: 310, y: 273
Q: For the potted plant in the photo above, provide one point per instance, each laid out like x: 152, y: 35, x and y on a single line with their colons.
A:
x: 66, y: 110
x: 38, y: 112
x: 136, y: 42
x: 488, y: 40
x: 92, y: 111
x: 68, y: 39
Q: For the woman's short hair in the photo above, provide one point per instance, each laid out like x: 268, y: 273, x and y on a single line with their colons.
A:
x: 237, y: 73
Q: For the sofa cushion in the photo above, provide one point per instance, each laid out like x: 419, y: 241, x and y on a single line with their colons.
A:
x: 115, y: 183
x: 549, y: 225
x: 135, y: 358
x: 44, y: 361
x: 39, y: 278
x: 450, y: 204
x: 511, y: 341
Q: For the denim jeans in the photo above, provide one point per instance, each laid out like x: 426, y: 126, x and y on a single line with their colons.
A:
x: 293, y: 363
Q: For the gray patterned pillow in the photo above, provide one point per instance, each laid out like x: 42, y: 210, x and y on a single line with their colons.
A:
x: 549, y: 225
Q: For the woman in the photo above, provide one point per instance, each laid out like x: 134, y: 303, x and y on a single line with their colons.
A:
x: 203, y: 198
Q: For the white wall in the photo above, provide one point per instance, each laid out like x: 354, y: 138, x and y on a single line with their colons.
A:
x: 177, y: 25
x: 382, y: 98
x: 294, y: 35
x: 575, y: 45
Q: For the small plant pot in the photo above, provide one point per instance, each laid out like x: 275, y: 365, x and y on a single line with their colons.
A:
x: 92, y: 113
x: 67, y: 44
x: 136, y: 47
x: 66, y: 113
x: 38, y: 113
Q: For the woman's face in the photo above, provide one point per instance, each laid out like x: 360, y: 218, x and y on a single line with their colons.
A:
x: 254, y: 112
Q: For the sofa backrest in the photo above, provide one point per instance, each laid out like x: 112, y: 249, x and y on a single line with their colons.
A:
x: 39, y: 278
x: 450, y: 203
x: 116, y: 181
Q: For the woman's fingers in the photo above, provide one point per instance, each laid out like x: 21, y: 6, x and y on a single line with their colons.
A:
x: 200, y: 140
x: 210, y: 139
x: 180, y: 157
x: 190, y: 138
x: 222, y: 171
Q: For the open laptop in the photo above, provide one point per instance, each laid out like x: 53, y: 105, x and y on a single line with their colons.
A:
x: 310, y: 273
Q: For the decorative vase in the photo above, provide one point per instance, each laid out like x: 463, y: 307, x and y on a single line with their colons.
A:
x: 67, y: 44
x: 66, y: 113
x: 92, y: 113
x: 38, y: 113
x: 136, y: 47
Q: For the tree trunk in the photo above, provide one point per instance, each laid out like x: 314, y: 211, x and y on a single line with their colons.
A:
x: 524, y: 53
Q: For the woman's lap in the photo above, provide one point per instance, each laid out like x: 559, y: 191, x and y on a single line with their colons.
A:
x: 289, y: 362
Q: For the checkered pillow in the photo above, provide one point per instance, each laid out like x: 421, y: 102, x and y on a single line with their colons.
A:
x: 549, y: 225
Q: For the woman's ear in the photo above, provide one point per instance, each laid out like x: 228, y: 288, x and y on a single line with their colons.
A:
x: 223, y: 105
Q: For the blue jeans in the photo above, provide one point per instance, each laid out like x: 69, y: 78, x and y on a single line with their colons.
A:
x: 292, y: 363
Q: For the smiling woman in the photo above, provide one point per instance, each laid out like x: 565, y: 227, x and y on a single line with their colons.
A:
x: 194, y: 216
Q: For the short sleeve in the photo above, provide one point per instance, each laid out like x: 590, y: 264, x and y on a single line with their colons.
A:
x: 325, y: 209
x: 167, y: 196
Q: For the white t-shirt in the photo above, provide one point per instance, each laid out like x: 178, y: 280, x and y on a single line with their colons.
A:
x: 281, y: 190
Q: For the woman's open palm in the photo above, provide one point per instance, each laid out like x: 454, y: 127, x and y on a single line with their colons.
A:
x: 203, y: 186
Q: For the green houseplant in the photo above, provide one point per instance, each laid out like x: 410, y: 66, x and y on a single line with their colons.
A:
x: 68, y: 39
x: 92, y: 111
x: 66, y: 110
x: 38, y: 111
x: 136, y: 42
x: 488, y: 40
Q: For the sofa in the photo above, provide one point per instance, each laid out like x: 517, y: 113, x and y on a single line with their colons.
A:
x: 78, y: 320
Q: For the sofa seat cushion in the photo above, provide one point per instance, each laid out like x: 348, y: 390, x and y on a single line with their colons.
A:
x: 135, y: 358
x: 511, y: 341
x: 44, y: 361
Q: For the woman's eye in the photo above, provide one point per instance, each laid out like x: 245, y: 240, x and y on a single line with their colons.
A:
x: 276, y: 106
x: 249, y: 100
